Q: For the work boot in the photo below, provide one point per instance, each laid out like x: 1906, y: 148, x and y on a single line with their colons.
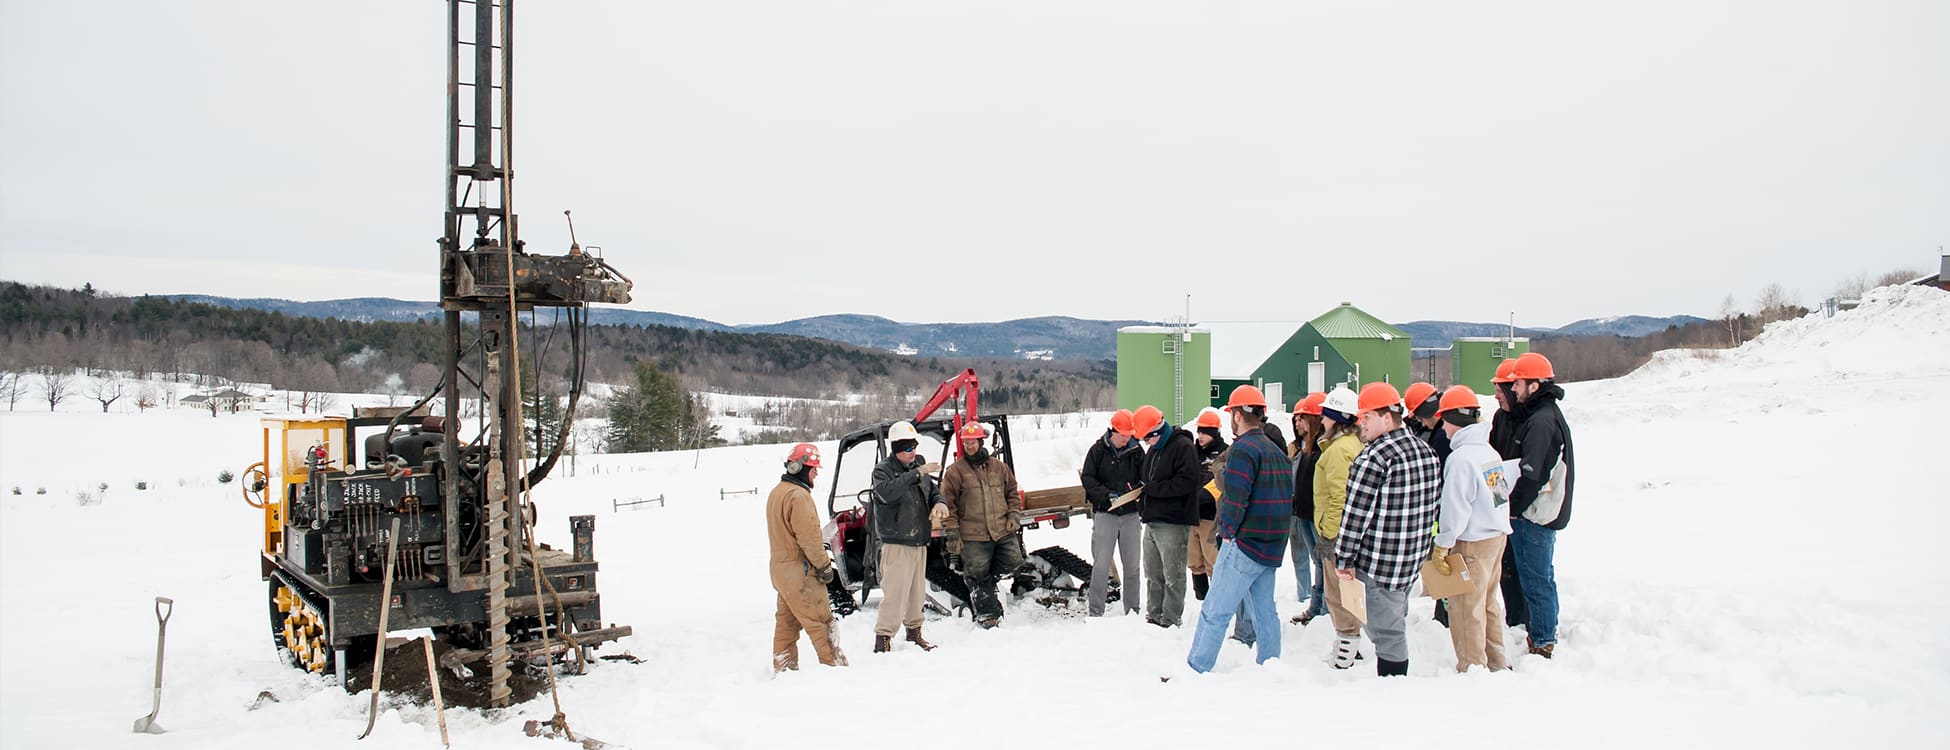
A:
x: 1302, y: 619
x: 914, y: 637
x: 1387, y: 668
x: 1543, y: 651
x: 882, y: 644
x: 1200, y: 584
x: 988, y: 622
x: 1345, y: 652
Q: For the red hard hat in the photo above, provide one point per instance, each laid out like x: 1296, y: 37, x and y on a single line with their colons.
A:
x: 1532, y: 366
x: 1146, y: 420
x: 1120, y: 421
x: 1417, y: 392
x: 1310, y: 404
x: 804, y: 454
x: 1246, y: 395
x: 1378, y: 396
x: 1458, y: 397
x: 1209, y: 418
x: 974, y: 431
x: 1503, y: 370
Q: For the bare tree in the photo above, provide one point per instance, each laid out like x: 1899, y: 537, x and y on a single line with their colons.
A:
x: 1775, y: 303
x: 107, y: 390
x: 11, y: 386
x: 1898, y: 276
x: 145, y: 399
x: 56, y: 384
x: 1730, y: 315
x: 1853, y: 287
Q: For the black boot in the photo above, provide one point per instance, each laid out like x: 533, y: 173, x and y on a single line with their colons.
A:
x: 1200, y: 584
x: 1386, y: 668
x: 1442, y: 612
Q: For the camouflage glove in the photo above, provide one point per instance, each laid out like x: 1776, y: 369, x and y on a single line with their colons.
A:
x: 825, y: 574
x: 1440, y: 557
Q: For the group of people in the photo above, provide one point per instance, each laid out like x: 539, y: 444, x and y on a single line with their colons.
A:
x: 976, y: 503
x: 1373, y: 486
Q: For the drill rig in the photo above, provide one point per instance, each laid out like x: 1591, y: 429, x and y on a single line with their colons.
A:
x: 452, y: 488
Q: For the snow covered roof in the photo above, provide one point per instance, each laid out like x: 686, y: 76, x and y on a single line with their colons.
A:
x: 1349, y: 322
x: 1240, y: 347
x: 1161, y: 329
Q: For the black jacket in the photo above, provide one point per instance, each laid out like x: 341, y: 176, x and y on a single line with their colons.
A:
x: 1437, y: 438
x: 1303, y: 484
x: 1539, y: 441
x: 1109, y: 472
x: 902, y: 497
x: 1171, y: 480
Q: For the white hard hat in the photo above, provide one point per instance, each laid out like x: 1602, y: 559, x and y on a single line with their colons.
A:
x: 1343, y: 400
x: 902, y: 430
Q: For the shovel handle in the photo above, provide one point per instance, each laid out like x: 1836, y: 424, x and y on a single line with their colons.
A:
x: 165, y: 607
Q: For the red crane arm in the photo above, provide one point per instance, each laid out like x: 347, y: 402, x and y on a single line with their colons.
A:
x: 968, y: 386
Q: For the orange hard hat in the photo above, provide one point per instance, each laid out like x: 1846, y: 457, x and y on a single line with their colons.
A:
x: 1503, y: 370
x: 1209, y: 418
x: 1532, y: 366
x: 1310, y: 404
x: 1120, y: 421
x: 1245, y: 396
x: 1458, y: 397
x: 1378, y: 396
x: 1417, y: 392
x: 973, y: 431
x: 1146, y: 420
x: 803, y: 454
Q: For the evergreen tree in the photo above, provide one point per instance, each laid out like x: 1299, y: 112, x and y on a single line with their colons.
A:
x: 649, y: 414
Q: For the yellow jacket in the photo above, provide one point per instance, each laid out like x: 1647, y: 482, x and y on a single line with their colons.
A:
x: 1330, y: 482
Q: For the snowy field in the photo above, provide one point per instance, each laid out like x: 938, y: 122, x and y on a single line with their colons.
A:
x: 1755, y: 560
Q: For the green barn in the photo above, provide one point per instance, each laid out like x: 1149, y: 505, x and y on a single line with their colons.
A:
x: 1287, y: 360
x: 1165, y: 366
x: 1473, y: 359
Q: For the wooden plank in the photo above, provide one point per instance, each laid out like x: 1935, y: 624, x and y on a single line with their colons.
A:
x: 1055, y: 497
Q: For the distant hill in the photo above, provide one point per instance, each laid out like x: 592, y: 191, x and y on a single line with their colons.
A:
x: 1044, y: 338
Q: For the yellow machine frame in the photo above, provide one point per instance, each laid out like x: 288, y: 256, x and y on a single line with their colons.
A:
x: 295, y: 438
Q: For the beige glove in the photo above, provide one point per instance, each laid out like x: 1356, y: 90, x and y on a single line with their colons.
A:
x: 931, y: 468
x: 1440, y: 557
x: 938, y: 513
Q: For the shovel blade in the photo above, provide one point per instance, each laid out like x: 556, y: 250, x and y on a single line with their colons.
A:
x: 148, y: 725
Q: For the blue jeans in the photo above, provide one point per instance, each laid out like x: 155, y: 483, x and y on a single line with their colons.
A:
x: 1532, y: 546
x: 1306, y: 575
x: 1236, y: 580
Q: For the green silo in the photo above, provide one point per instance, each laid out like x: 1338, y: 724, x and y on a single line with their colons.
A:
x: 1374, y: 350
x: 1474, y: 359
x: 1151, y: 360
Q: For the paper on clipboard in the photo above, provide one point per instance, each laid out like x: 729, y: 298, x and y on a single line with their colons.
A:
x: 1438, y: 586
x: 1126, y: 498
x: 1354, y: 598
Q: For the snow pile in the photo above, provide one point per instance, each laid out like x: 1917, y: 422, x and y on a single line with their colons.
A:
x: 1753, y: 560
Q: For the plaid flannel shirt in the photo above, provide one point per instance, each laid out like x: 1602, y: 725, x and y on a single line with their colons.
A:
x: 1394, y: 493
x: 1256, y: 498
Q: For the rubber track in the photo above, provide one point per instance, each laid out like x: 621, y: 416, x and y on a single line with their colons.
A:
x: 1077, y: 567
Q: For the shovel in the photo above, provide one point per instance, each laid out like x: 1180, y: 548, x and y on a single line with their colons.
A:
x: 147, y: 724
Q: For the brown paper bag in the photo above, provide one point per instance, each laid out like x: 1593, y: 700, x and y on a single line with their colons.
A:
x: 1354, y: 598
x: 1438, y: 586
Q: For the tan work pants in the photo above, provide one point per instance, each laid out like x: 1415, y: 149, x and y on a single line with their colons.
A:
x: 903, y: 587
x: 1346, y: 624
x: 1203, y: 549
x: 1476, y: 618
x: 803, y: 607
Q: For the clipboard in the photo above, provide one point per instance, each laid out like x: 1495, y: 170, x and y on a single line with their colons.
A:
x: 1438, y: 586
x: 1354, y: 598
x: 1125, y: 499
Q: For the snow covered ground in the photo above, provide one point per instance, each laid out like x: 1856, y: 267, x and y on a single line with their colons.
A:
x: 1755, y: 560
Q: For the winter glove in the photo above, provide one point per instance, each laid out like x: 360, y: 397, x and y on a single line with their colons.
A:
x: 954, y: 562
x: 1441, y: 560
x: 825, y: 574
x: 938, y: 513
x: 931, y: 468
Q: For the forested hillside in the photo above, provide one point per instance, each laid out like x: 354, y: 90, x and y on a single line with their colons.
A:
x: 81, y: 328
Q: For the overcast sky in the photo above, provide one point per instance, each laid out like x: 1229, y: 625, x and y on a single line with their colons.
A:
x: 758, y: 161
